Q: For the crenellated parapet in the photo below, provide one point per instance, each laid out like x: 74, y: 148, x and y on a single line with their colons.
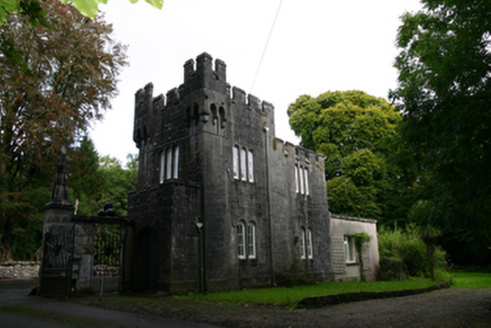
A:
x: 298, y: 153
x: 250, y: 102
x: 204, y: 74
x: 205, y: 96
x: 212, y: 75
x: 144, y: 115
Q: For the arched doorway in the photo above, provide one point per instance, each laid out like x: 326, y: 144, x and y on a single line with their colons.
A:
x: 147, y: 271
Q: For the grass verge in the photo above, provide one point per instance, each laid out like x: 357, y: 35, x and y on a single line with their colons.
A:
x: 464, y: 279
x: 289, y: 297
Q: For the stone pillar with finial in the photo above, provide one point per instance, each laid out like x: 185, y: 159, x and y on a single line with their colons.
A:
x: 57, y: 256
x: 58, y: 211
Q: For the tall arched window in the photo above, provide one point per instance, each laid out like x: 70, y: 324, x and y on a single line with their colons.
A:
x: 300, y: 182
x: 306, y: 180
x: 168, y: 163
x: 297, y: 188
x: 241, y: 250
x: 310, y: 251
x: 162, y: 166
x: 215, y: 120
x: 175, y: 169
x: 222, y: 119
x: 243, y: 165
x: 302, y: 244
x: 251, y: 240
x: 235, y: 155
x: 250, y: 166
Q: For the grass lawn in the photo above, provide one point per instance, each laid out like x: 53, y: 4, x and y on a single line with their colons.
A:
x: 289, y: 297
x: 464, y: 279
x: 292, y: 295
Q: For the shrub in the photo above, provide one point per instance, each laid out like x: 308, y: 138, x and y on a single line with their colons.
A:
x: 392, y: 269
x: 407, y: 246
x: 442, y: 276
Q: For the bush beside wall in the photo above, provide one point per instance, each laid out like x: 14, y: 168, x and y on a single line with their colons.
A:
x: 406, y: 246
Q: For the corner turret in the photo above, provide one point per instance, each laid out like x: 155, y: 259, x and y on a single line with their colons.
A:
x: 205, y: 75
x: 144, y: 120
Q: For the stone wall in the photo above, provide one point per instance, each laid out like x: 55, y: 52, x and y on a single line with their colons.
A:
x: 206, y: 157
x: 19, y: 270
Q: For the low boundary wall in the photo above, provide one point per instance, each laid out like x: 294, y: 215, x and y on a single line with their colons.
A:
x: 19, y: 270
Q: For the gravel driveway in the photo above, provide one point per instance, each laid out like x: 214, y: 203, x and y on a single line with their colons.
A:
x: 442, y: 308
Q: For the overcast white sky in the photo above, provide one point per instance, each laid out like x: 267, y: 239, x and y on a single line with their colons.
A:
x: 316, y: 46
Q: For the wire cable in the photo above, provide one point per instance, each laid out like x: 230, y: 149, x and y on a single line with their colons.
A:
x: 265, y: 47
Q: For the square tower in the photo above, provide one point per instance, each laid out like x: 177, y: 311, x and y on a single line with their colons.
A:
x: 220, y: 202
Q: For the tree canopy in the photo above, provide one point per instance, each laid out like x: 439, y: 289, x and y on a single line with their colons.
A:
x: 356, y: 132
x: 95, y: 180
x: 68, y: 80
x: 445, y: 95
x: 36, y: 14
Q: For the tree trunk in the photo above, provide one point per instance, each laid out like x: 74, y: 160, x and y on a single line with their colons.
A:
x: 430, y: 251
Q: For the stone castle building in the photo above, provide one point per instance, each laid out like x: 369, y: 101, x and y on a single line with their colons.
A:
x: 221, y: 203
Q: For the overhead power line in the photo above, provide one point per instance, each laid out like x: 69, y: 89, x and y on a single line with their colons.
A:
x: 265, y: 47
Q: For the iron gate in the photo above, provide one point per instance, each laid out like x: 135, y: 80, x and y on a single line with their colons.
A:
x: 107, y: 251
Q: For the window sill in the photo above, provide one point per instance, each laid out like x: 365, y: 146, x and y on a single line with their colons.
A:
x: 171, y: 180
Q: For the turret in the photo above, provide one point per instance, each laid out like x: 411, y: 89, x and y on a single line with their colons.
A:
x: 143, y: 127
x: 205, y: 75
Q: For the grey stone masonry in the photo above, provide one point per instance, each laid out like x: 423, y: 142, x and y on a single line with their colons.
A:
x: 208, y: 155
x: 19, y: 270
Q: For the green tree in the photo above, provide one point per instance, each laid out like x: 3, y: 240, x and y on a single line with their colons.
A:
x: 445, y: 95
x: 36, y: 14
x: 85, y: 178
x: 117, y: 182
x: 423, y: 214
x: 357, y: 134
x: 68, y: 82
x: 95, y: 180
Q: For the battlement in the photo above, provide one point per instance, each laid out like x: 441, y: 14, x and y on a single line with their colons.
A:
x: 253, y: 103
x: 144, y: 115
x: 204, y: 86
x: 299, y: 153
x: 203, y: 74
x: 204, y: 67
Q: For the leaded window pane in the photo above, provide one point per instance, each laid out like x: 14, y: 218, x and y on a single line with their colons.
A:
x: 162, y: 166
x: 243, y: 164
x: 306, y: 173
x: 175, y: 174
x: 302, y: 244
x: 168, y: 168
x: 296, y: 179
x: 310, y: 253
x: 250, y: 166
x: 235, y: 155
x: 240, y: 241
